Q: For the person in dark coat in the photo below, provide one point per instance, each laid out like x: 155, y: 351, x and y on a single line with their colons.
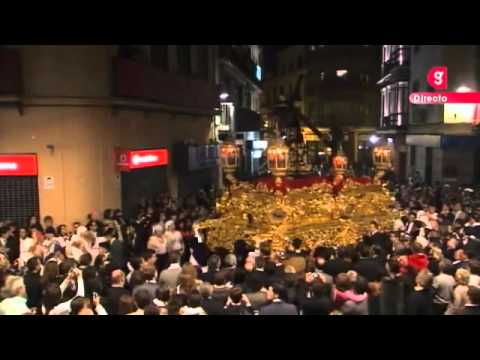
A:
x: 118, y: 256
x: 213, y: 267
x: 378, y: 238
x: 319, y: 302
x: 33, y: 283
x: 238, y: 303
x: 369, y: 267
x: 209, y: 304
x: 393, y: 295
x: 420, y: 301
x: 115, y: 292
x: 340, y: 264
x: 278, y: 306
x: 472, y: 307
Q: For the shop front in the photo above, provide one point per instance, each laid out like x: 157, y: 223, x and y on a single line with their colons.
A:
x: 196, y: 167
x: 143, y: 176
x: 18, y: 187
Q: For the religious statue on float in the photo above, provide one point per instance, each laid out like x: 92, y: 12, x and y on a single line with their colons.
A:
x: 340, y: 166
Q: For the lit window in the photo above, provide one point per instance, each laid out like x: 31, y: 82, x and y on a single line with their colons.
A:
x: 259, y: 73
x: 342, y: 73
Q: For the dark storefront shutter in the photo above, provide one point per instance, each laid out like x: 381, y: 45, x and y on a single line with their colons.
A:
x: 18, y: 198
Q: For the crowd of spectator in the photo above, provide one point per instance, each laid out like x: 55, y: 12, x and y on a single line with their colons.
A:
x: 157, y: 263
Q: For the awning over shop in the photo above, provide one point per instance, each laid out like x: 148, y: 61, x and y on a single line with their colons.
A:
x: 247, y: 120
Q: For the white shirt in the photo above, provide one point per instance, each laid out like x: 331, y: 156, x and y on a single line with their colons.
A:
x: 474, y: 280
x: 65, y: 307
x: 157, y: 244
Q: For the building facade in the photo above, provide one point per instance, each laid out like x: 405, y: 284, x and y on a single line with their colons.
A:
x: 74, y: 109
x: 280, y: 81
x: 240, y: 72
x: 394, y: 104
x: 335, y: 89
x: 443, y: 143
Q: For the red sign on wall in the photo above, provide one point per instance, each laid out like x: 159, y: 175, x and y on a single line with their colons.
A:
x: 18, y: 165
x: 437, y: 78
x: 127, y: 160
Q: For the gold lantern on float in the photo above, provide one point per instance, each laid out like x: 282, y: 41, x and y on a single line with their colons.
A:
x: 382, y: 160
x: 277, y: 156
x: 382, y: 157
x: 229, y: 155
x: 340, y: 163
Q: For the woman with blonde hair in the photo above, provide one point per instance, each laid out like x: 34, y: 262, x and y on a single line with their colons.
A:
x: 15, y: 294
x: 158, y: 243
x: 174, y: 238
x: 460, y: 297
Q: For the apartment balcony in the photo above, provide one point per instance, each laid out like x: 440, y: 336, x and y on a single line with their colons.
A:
x: 397, y: 121
x: 142, y: 82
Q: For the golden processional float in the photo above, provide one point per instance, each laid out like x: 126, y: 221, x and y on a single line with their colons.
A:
x: 328, y: 211
x: 318, y: 210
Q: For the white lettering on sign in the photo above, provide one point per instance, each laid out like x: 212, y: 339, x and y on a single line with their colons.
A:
x: 8, y: 166
x: 137, y: 159
x: 438, y: 76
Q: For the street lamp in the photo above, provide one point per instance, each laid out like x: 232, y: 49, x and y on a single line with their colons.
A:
x: 224, y: 95
x: 374, y: 139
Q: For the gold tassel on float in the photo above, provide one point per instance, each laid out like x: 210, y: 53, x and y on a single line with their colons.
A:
x: 312, y: 214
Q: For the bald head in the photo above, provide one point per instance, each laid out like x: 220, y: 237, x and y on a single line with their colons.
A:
x: 118, y: 278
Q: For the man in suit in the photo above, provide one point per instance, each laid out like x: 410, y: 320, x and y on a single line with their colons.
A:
x: 230, y: 267
x: 367, y: 266
x: 117, y: 250
x: 278, y: 306
x: 209, y: 304
x: 221, y: 290
x: 257, y: 297
x: 472, y: 307
x: 113, y: 294
x: 213, y: 266
x: 340, y: 264
x: 320, y: 302
x: 169, y: 276
x: 259, y: 272
x: 150, y: 284
x: 380, y: 239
